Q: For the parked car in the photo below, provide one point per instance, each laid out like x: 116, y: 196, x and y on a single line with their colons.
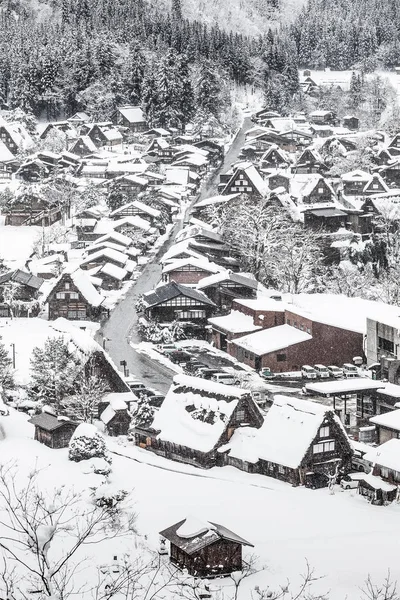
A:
x: 358, y: 462
x: 179, y: 356
x: 267, y: 373
x: 308, y: 372
x: 206, y: 372
x: 350, y: 370
x: 156, y: 400
x: 226, y: 378
x: 316, y: 480
x: 136, y: 386
x: 194, y: 365
x: 351, y: 480
x: 335, y: 371
x: 322, y: 371
x: 166, y: 348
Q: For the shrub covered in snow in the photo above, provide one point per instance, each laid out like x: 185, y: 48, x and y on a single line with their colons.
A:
x: 86, y: 443
x: 108, y: 496
x: 99, y: 466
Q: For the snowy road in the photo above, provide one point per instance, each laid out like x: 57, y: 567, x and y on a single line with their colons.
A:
x: 122, y: 326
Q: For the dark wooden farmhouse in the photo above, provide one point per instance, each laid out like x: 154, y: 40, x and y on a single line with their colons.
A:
x: 205, y: 549
x: 222, y: 288
x: 131, y: 117
x: 188, y: 271
x: 174, y: 301
x: 196, y: 418
x: 74, y: 297
x: 19, y: 293
x: 54, y: 432
x: 310, y: 161
x: 300, y: 442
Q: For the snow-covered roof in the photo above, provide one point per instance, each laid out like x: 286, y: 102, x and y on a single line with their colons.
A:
x: 377, y: 482
x: 288, y: 430
x: 252, y: 175
x: 200, y: 263
x: 133, y: 114
x: 177, y: 175
x: 391, y: 420
x: 342, y: 311
x: 5, y: 154
x: 390, y: 389
x: 119, y: 238
x: 272, y: 339
x: 111, y: 410
x: 387, y: 455
x: 343, y: 386
x: 113, y: 271
x: 262, y: 304
x: 356, y: 175
x: 153, y: 212
x: 179, y: 248
x: 134, y: 221
x: 106, y: 254
x: 220, y: 199
x: 193, y: 534
x: 239, y: 278
x: 196, y: 160
x: 195, y: 412
x: 235, y: 322
x: 86, y: 288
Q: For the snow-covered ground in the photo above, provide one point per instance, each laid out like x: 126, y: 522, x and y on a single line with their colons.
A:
x: 342, y: 536
x: 16, y: 244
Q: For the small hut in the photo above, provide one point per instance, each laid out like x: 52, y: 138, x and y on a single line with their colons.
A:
x: 116, y: 417
x: 205, y: 549
x: 54, y: 432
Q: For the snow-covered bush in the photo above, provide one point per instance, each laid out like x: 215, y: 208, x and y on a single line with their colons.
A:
x: 108, y: 496
x: 99, y: 466
x: 86, y: 443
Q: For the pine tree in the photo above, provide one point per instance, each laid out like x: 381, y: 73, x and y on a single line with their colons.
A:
x: 208, y: 89
x: 54, y: 369
x: 176, y: 11
x: 144, y: 414
x: 6, y: 370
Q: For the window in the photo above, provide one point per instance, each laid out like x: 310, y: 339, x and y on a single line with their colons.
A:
x: 73, y: 296
x: 324, y: 431
x: 324, y: 447
x: 384, y: 344
x: 248, y: 189
x: 308, y: 330
x: 60, y: 295
x: 320, y: 190
x: 66, y: 286
x: 295, y: 324
x: 281, y: 469
x: 241, y: 176
x: 384, y: 472
x: 281, y: 357
x: 288, y: 321
x: 375, y: 186
x: 240, y: 415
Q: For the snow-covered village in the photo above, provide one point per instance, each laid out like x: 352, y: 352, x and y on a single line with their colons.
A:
x: 199, y: 300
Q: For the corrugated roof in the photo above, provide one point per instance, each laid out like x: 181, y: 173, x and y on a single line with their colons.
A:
x: 49, y: 422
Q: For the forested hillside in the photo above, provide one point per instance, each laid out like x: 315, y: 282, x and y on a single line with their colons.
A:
x: 80, y: 55
x: 343, y: 33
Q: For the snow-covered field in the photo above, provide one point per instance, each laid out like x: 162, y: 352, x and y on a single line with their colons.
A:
x: 16, y: 244
x: 342, y: 536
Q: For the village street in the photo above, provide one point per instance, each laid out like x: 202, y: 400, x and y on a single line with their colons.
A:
x: 122, y: 326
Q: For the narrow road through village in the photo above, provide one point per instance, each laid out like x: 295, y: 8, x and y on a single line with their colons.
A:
x: 122, y: 326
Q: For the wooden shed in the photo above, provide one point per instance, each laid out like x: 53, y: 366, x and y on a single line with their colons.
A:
x: 54, y: 432
x: 205, y: 549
